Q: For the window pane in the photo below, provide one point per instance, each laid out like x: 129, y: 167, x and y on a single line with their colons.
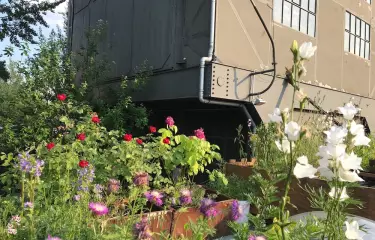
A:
x: 367, y: 53
x: 304, y: 4
x: 357, y: 44
x: 287, y: 13
x: 346, y: 42
x: 352, y: 24
x: 312, y: 6
x: 352, y: 43
x: 311, y: 28
x: 295, y: 18
x: 363, y: 30
x: 347, y: 20
x: 362, y: 49
x: 277, y: 10
x: 358, y: 27
x: 303, y: 27
x: 367, y: 32
x: 296, y: 1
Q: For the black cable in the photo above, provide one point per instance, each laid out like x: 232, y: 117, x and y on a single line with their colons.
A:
x: 273, y: 53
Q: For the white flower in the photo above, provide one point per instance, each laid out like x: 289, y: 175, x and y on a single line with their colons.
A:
x: 284, y: 146
x: 351, y: 162
x: 356, y: 129
x: 352, y: 231
x: 361, y: 140
x: 326, y: 173
x: 285, y: 113
x: 293, y: 130
x: 303, y: 169
x: 331, y: 151
x: 343, y: 195
x: 349, y: 176
x: 348, y: 111
x: 336, y: 135
x: 307, y: 50
x: 276, y: 116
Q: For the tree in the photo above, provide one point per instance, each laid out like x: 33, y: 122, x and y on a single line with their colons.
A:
x: 17, y: 20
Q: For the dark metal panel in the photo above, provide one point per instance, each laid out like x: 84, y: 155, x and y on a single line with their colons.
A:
x: 153, y: 33
x: 79, y: 5
x: 120, y: 31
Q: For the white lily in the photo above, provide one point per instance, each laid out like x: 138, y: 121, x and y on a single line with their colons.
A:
x: 361, y: 140
x: 343, y: 195
x: 352, y: 231
x: 348, y: 111
x: 293, y: 130
x: 284, y: 146
x: 356, y: 129
x: 336, y: 151
x: 275, y: 116
x: 303, y: 169
x: 336, y: 135
x: 351, y: 162
x: 307, y: 50
x: 326, y: 173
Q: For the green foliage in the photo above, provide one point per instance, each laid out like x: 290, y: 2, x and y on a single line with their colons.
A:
x: 366, y: 153
x: 201, y: 229
x: 241, y: 231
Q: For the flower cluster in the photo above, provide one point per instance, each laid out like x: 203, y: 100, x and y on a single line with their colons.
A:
x: 235, y: 211
x: 154, y: 197
x: 86, y: 176
x: 254, y: 237
x: 98, y: 209
x: 169, y: 121
x: 185, y: 197
x: 142, y: 230
x: 208, y: 208
x: 12, y: 225
x: 113, y: 186
x: 53, y: 238
x: 199, y: 133
x: 98, y: 191
x: 141, y: 179
x: 27, y: 164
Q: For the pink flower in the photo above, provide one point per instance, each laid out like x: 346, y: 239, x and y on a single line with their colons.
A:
x: 185, y: 197
x: 139, y: 141
x: 140, y: 179
x: 253, y: 237
x: 152, y: 129
x: 98, y: 209
x: 61, y: 97
x: 199, y: 133
x: 169, y: 121
x: 155, y: 197
x: 113, y: 185
x: 50, y: 145
x: 208, y: 207
x: 166, y: 141
x: 53, y: 238
x: 142, y: 229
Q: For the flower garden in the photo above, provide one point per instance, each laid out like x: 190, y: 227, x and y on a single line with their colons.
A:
x: 85, y: 181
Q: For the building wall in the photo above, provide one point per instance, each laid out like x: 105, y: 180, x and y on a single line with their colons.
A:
x: 242, y: 42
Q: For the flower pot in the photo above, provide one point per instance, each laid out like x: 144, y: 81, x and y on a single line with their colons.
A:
x: 371, y: 166
x: 241, y: 169
x: 219, y: 222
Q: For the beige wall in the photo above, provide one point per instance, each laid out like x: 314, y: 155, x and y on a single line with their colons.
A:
x: 242, y: 42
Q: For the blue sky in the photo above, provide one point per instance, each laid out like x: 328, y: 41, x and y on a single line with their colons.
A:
x: 53, y: 20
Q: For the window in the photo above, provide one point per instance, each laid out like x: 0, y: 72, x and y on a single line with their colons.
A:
x: 356, y: 36
x: 368, y: 1
x: 297, y: 14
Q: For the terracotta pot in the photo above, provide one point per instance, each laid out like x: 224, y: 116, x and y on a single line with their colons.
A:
x: 192, y: 214
x: 241, y: 169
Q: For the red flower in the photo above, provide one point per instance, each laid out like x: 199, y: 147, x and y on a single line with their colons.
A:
x: 95, y: 119
x: 83, y: 163
x: 152, y: 129
x: 61, y: 97
x: 50, y: 145
x: 128, y: 137
x: 139, y: 141
x: 166, y: 141
x: 81, y: 136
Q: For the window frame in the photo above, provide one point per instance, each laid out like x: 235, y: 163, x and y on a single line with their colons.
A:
x: 297, y: 4
x: 356, y: 35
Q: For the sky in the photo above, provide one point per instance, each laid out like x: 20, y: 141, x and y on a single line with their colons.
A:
x: 53, y: 20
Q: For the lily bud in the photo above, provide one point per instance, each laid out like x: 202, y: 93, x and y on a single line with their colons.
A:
x: 295, y: 50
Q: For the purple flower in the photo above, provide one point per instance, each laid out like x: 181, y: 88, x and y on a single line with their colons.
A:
x: 141, y: 179
x: 235, y: 213
x: 38, y: 167
x: 185, y: 197
x: 26, y: 164
x: 154, y: 197
x: 98, y: 209
x: 208, y: 207
x: 254, y: 237
x: 77, y: 197
x: 142, y: 230
x: 85, y: 178
x: 169, y: 121
x: 53, y: 238
x: 113, y: 186
x: 199, y: 133
x: 29, y: 205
